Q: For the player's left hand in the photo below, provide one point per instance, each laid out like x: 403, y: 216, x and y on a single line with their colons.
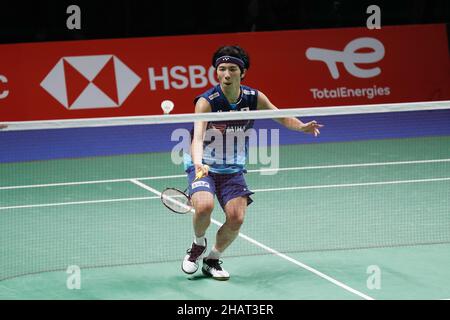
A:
x: 312, y: 127
x: 3, y: 126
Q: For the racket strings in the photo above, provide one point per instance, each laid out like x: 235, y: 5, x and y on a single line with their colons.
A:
x: 176, y: 200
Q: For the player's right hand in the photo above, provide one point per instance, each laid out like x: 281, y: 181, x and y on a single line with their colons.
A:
x: 201, y: 170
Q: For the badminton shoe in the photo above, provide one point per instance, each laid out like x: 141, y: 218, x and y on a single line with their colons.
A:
x: 190, y: 261
x: 212, y: 268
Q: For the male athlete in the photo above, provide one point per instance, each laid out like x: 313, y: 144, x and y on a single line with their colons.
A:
x: 221, y: 174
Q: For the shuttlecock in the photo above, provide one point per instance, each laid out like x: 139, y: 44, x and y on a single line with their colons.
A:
x: 167, y: 106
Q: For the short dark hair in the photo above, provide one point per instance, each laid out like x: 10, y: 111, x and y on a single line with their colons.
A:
x: 233, y: 51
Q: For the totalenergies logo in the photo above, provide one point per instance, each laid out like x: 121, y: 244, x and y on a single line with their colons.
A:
x: 350, y: 57
x: 90, y: 82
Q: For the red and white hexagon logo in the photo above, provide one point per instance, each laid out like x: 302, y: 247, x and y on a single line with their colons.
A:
x: 90, y: 82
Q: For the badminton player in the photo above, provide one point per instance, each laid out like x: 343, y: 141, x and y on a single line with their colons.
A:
x: 224, y: 177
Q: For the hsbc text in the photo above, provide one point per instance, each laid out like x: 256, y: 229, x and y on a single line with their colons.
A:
x: 181, y: 77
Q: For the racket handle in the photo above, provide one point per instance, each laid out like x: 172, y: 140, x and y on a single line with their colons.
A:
x: 200, y: 174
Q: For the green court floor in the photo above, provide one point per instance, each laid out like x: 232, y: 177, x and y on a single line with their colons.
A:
x: 316, y: 227
x: 406, y: 273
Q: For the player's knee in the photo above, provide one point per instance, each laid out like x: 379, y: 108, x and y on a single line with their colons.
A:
x: 204, y: 207
x: 235, y: 221
x: 203, y: 203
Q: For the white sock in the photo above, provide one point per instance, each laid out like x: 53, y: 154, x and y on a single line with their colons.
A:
x: 214, y: 254
x: 200, y: 241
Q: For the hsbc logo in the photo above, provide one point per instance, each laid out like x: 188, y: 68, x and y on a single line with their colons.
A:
x: 3, y: 93
x: 90, y: 82
x: 350, y: 57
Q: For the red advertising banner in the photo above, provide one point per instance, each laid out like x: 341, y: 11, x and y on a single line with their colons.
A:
x: 308, y: 68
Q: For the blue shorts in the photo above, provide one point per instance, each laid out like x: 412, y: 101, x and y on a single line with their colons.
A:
x: 224, y: 186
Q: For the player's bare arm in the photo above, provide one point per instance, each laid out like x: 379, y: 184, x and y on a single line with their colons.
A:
x: 201, y: 106
x: 311, y: 127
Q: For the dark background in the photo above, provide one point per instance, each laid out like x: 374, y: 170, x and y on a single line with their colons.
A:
x: 28, y: 21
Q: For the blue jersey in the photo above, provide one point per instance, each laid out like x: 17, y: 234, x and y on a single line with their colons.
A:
x: 226, y: 143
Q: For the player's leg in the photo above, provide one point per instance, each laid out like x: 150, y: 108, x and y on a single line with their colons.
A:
x: 234, y: 197
x: 203, y: 203
x: 235, y: 212
x: 202, y: 197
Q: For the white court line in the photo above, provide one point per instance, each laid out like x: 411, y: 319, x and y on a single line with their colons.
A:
x: 255, y: 190
x: 355, y: 165
x: 75, y: 202
x: 347, y: 185
x: 58, y: 184
x: 250, y: 171
x: 273, y: 251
